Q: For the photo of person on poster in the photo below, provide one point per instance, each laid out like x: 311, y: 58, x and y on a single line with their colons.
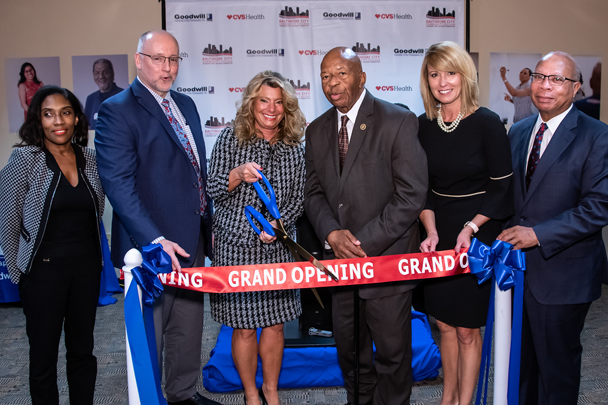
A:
x: 103, y: 76
x: 28, y: 85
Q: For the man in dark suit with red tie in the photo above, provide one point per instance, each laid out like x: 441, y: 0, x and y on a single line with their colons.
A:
x: 366, y: 184
x: 560, y: 177
x: 151, y: 160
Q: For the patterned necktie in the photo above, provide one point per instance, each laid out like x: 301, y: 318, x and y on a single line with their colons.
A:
x: 343, y: 141
x: 183, y: 138
x: 535, y: 154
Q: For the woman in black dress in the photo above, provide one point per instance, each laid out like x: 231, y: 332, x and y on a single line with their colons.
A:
x: 469, y: 194
x: 51, y: 202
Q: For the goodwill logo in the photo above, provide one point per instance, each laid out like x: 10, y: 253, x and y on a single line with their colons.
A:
x: 240, y: 17
x: 196, y: 89
x: 394, y: 88
x: 193, y: 17
x: 265, y: 52
x: 393, y: 16
x: 367, y: 54
x: 409, y: 52
x: 213, y: 126
x: 302, y: 90
x: 440, y: 18
x: 214, y: 56
x: 290, y: 18
x: 344, y: 15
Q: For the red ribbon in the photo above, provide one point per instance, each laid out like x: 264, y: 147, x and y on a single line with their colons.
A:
x: 285, y: 276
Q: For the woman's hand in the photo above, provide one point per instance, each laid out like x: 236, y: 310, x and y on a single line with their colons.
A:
x: 503, y: 73
x: 464, y: 239
x: 264, y: 237
x: 508, y: 98
x: 430, y: 243
x: 247, y: 172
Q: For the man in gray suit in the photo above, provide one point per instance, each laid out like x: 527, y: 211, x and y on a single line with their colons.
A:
x: 366, y: 183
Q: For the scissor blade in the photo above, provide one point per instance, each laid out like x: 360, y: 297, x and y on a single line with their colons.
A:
x: 304, y: 255
x: 314, y: 291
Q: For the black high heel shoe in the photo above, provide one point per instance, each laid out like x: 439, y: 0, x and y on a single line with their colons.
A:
x: 262, y: 396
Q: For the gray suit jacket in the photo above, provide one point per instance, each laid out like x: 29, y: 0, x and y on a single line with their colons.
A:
x: 383, y: 185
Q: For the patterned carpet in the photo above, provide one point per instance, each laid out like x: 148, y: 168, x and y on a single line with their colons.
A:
x: 112, y: 382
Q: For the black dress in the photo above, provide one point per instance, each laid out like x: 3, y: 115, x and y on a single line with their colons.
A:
x: 469, y: 173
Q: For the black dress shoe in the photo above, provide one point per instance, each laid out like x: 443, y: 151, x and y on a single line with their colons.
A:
x: 196, y: 399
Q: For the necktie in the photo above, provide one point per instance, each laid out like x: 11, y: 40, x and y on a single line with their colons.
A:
x: 183, y: 139
x: 535, y: 154
x: 343, y: 141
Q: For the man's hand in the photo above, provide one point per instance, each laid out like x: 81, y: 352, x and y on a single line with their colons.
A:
x: 172, y: 250
x: 519, y: 236
x: 345, y: 245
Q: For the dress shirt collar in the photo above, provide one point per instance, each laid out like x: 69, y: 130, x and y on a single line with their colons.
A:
x: 156, y: 96
x: 553, y: 123
x: 353, y: 112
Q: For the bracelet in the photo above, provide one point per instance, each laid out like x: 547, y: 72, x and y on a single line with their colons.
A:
x: 472, y: 225
x: 506, y: 80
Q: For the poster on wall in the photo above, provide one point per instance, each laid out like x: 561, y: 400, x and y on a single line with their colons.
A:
x: 97, y: 78
x: 510, y: 89
x: 226, y: 43
x: 587, y: 99
x: 23, y: 77
x: 510, y: 85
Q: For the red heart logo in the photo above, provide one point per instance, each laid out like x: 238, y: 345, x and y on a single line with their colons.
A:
x: 377, y: 88
x: 301, y: 52
x: 231, y: 89
x: 229, y: 16
x: 377, y: 15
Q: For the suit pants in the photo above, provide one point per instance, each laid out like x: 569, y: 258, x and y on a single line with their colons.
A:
x: 387, y: 323
x: 61, y: 292
x: 178, y: 327
x: 551, y: 352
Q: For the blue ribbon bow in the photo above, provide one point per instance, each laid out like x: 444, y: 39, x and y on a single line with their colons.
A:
x: 140, y: 327
x: 507, y: 267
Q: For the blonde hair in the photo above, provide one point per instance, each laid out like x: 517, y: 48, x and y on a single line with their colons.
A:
x: 448, y: 56
x: 291, y: 127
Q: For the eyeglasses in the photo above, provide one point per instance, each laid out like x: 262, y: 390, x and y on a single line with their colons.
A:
x: 160, y: 60
x: 553, y: 79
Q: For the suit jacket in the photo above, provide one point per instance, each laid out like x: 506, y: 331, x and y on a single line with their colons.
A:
x: 148, y: 178
x: 567, y: 206
x: 383, y: 185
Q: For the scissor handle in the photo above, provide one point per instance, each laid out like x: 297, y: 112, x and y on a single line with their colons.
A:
x: 249, y: 212
x: 270, y: 199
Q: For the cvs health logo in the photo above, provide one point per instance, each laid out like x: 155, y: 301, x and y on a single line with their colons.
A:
x: 312, y: 52
x: 394, y: 88
x: 237, y: 17
x: 236, y: 89
x: 393, y: 16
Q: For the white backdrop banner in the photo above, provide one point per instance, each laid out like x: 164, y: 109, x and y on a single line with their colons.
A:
x: 225, y: 43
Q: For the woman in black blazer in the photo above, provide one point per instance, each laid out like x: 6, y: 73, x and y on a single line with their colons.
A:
x: 51, y: 202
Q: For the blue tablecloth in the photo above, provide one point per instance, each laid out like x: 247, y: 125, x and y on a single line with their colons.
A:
x: 313, y: 366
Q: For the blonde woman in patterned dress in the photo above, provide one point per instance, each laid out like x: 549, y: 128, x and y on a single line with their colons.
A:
x: 267, y: 136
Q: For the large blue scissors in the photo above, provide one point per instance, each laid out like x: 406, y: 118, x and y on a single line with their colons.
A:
x: 270, y: 201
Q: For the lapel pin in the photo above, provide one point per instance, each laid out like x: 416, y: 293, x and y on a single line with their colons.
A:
x: 362, y: 127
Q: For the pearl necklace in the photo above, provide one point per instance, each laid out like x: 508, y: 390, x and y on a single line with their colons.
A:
x: 452, y: 126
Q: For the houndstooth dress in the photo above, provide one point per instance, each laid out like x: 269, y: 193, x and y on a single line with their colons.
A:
x: 235, y: 241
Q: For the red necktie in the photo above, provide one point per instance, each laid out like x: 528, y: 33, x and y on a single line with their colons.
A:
x: 343, y: 141
x: 535, y: 154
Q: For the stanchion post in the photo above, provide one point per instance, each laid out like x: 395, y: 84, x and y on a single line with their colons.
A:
x: 132, y: 259
x: 502, y: 344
